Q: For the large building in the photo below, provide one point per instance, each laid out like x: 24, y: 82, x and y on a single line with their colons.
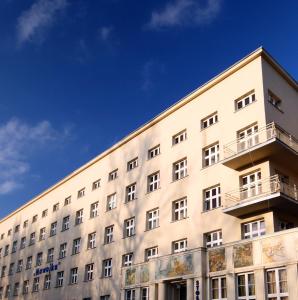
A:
x: 199, y: 203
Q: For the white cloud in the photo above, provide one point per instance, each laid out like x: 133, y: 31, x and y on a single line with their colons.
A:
x: 105, y: 32
x: 185, y: 13
x: 37, y: 18
x: 19, y: 140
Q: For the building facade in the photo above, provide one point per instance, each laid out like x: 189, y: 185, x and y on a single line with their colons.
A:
x: 199, y: 203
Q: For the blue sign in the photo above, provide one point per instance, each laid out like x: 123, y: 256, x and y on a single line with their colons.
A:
x: 197, y: 293
x: 48, y: 269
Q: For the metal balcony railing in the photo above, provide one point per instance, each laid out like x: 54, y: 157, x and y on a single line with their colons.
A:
x: 261, y: 188
x: 262, y: 135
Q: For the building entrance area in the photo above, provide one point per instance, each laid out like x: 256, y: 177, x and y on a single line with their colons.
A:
x: 176, y: 290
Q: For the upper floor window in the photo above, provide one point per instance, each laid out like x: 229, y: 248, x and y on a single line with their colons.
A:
x: 62, y: 250
x: 213, y: 239
x: 76, y: 245
x: 56, y: 207
x: 132, y: 164
x: 91, y: 240
x: 39, y: 259
x: 79, y: 216
x: 179, y: 246
x: 179, y: 137
x: 129, y: 227
x: 246, y: 286
x: 210, y: 120
x: 219, y: 288
x: 53, y: 229
x: 26, y: 287
x: 247, y: 137
x: 14, y: 246
x: 65, y: 223
x: 212, y: 198
x: 254, y: 229
x: 96, y: 185
x: 180, y: 169
x: 81, y: 193
x: 34, y: 219
x: 44, y: 213
x: 42, y: 233
x: 25, y: 224
x: 23, y: 242
x: 9, y: 232
x: 60, y: 279
x: 151, y: 253
x: 17, y: 228
x: 50, y: 256
x: 47, y: 282
x: 274, y: 100
x: 180, y: 209
x: 130, y: 294
x: 153, y: 151
x: 276, y: 281
x: 67, y: 200
x: 94, y: 210
x: 131, y: 192
x: 32, y: 238
x: 73, y: 276
x: 152, y: 219
x: 211, y: 155
x: 89, y: 270
x: 127, y: 259
x: 109, y: 231
x: 107, y: 267
x: 251, y: 185
x: 245, y: 100
x: 153, y: 182
x: 111, y: 201
x: 113, y: 175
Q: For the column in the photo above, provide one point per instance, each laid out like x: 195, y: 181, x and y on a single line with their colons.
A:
x: 162, y: 291
x: 260, y: 284
x: 292, y: 281
x: 190, y: 289
x: 152, y: 292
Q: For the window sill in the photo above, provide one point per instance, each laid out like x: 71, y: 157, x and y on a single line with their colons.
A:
x: 240, y: 109
x: 180, y: 178
x: 150, y: 192
x: 146, y: 230
x: 206, y: 167
x: 203, y: 129
x: 175, y: 221
x: 206, y: 211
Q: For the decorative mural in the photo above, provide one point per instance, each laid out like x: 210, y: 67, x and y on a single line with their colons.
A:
x: 174, y: 266
x: 217, y: 260
x: 130, y: 276
x: 144, y: 273
x: 243, y: 255
x: 273, y: 250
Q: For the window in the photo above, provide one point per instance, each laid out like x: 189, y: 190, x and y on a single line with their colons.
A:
x: 131, y: 192
x: 9, y: 232
x: 132, y: 164
x: 276, y: 281
x: 107, y: 267
x: 284, y: 225
x: 17, y: 229
x: 11, y: 268
x: 29, y: 263
x: 0, y: 254
x: 247, y: 137
x: 179, y: 137
x: 145, y: 293
x: 129, y: 227
x: 65, y: 223
x: 39, y: 259
x: 42, y: 233
x: 109, y: 234
x: 89, y: 272
x: 44, y: 213
x: 19, y: 266
x: 73, y: 276
x: 210, y: 120
x: 79, y: 217
x: 152, y: 219
x: 67, y: 200
x: 151, y: 253
x: 96, y: 185
x: 91, y: 240
x: 130, y: 294
x: 179, y: 246
x: 34, y: 219
x: 55, y: 207
x: 6, y: 250
x: 113, y: 175
x: 7, y: 291
x: 218, y: 288
x: 180, y: 169
x: 211, y: 155
x: 76, y: 245
x: 53, y: 230
x: 1, y: 292
x: 274, y: 100
x: 112, y: 201
x: 105, y: 297
x: 212, y: 198
x: 50, y: 257
x: 26, y: 287
x: 81, y: 193
x: 94, y: 210
x: 127, y: 259
x: 62, y: 250
x: 25, y: 224
x: 35, y: 287
x: 2, y: 236
x: 16, y: 289
x: 245, y: 100
x: 180, y: 209
x: 153, y: 152
x: 3, y: 270
x: 246, y: 286
x: 47, y: 282
x: 213, y: 239
x: 23, y: 242
x: 153, y: 182
x: 32, y: 239
x: 254, y: 229
x: 60, y: 278
x: 14, y: 246
x: 251, y: 185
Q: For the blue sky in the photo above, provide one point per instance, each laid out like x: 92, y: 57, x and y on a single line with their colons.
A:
x: 77, y: 76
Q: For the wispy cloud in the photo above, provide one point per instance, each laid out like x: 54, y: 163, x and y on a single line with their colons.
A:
x: 40, y: 16
x: 19, y: 140
x: 185, y: 13
x: 104, y: 33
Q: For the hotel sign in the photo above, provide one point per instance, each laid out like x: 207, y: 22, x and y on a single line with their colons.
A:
x: 48, y: 269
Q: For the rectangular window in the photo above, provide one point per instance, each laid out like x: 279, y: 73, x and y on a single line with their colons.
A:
x: 91, y: 240
x: 25, y: 224
x: 213, y: 239
x: 44, y: 213
x: 276, y: 282
x: 179, y: 246
x: 145, y: 293
x: 111, y: 201
x: 67, y: 201
x: 245, y: 100
x: 180, y: 209
x: 107, y: 267
x: 247, y: 137
x: 26, y: 287
x: 81, y: 193
x: 3, y: 270
x: 47, y: 282
x: 29, y: 263
x: 60, y: 278
x: 39, y: 259
x: 42, y: 234
x: 127, y: 259
x: 53, y: 230
x: 129, y: 227
x: 212, y: 198
x: 94, y: 210
x: 109, y: 234
x: 180, y: 169
x: 65, y: 223
x: 152, y: 219
x: 251, y: 185
x: 79, y: 217
x: 219, y: 288
x: 50, y: 257
x: 35, y: 287
x: 55, y: 207
x: 14, y: 246
x: 73, y: 279
x: 19, y: 266
x: 132, y: 164
x: 210, y: 155
x: 210, y: 120
x: 153, y: 182
x: 254, y: 229
x: 96, y: 185
x: 6, y: 250
x: 274, y: 100
x: 179, y: 137
x: 131, y: 192
x: 16, y: 289
x: 23, y: 242
x: 76, y: 245
x: 32, y: 239
x: 89, y: 269
x: 11, y: 268
x: 34, y: 219
x: 151, y: 253
x: 17, y: 228
x: 246, y: 286
x: 153, y: 152
x: 130, y: 294
x: 9, y: 232
x: 62, y: 250
x: 105, y: 297
x: 113, y: 175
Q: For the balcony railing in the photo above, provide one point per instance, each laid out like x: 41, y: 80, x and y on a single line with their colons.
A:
x: 261, y: 188
x: 262, y: 135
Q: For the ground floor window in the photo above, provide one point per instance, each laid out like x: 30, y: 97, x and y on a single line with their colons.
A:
x: 276, y: 282
x: 145, y: 293
x: 219, y: 288
x: 130, y: 294
x: 246, y: 286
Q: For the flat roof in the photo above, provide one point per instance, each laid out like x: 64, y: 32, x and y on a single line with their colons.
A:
x: 183, y: 101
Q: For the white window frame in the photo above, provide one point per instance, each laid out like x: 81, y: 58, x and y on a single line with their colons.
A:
x: 60, y: 279
x: 153, y: 152
x: 53, y: 230
x: 153, y: 182
x: 96, y: 184
x: 19, y: 266
x: 50, y: 255
x: 26, y: 287
x: 39, y: 259
x: 209, y: 121
x: 62, y: 250
x: 42, y: 234
x: 74, y: 276
x: 56, y: 207
x: 14, y: 246
x: 221, y: 289
x: 29, y: 262
x: 35, y: 286
x: 211, y: 155
x: 65, y: 223
x: 129, y: 227
x: 67, y: 200
x: 179, y: 137
x: 81, y: 193
x: 145, y: 293
x: 94, y: 209
x: 91, y: 240
x: 152, y: 219
x: 131, y: 192
x: 76, y: 246
x: 32, y: 238
x: 113, y: 175
x: 180, y: 169
x: 180, y: 209
x: 212, y: 198
x: 47, y: 282
x: 247, y: 138
x: 213, y: 238
x: 109, y: 234
x: 245, y: 101
x: 79, y: 216
x: 89, y: 272
x: 247, y: 285
x: 274, y: 100
x: 151, y: 253
x: 107, y: 268
x: 279, y: 295
x: 127, y: 259
x: 111, y: 201
x: 179, y: 246
x: 251, y: 184
x: 23, y: 242
x: 252, y: 232
x: 130, y: 294
x: 132, y: 164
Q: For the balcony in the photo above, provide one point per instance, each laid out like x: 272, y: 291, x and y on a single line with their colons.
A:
x: 270, y: 141
x: 262, y: 195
